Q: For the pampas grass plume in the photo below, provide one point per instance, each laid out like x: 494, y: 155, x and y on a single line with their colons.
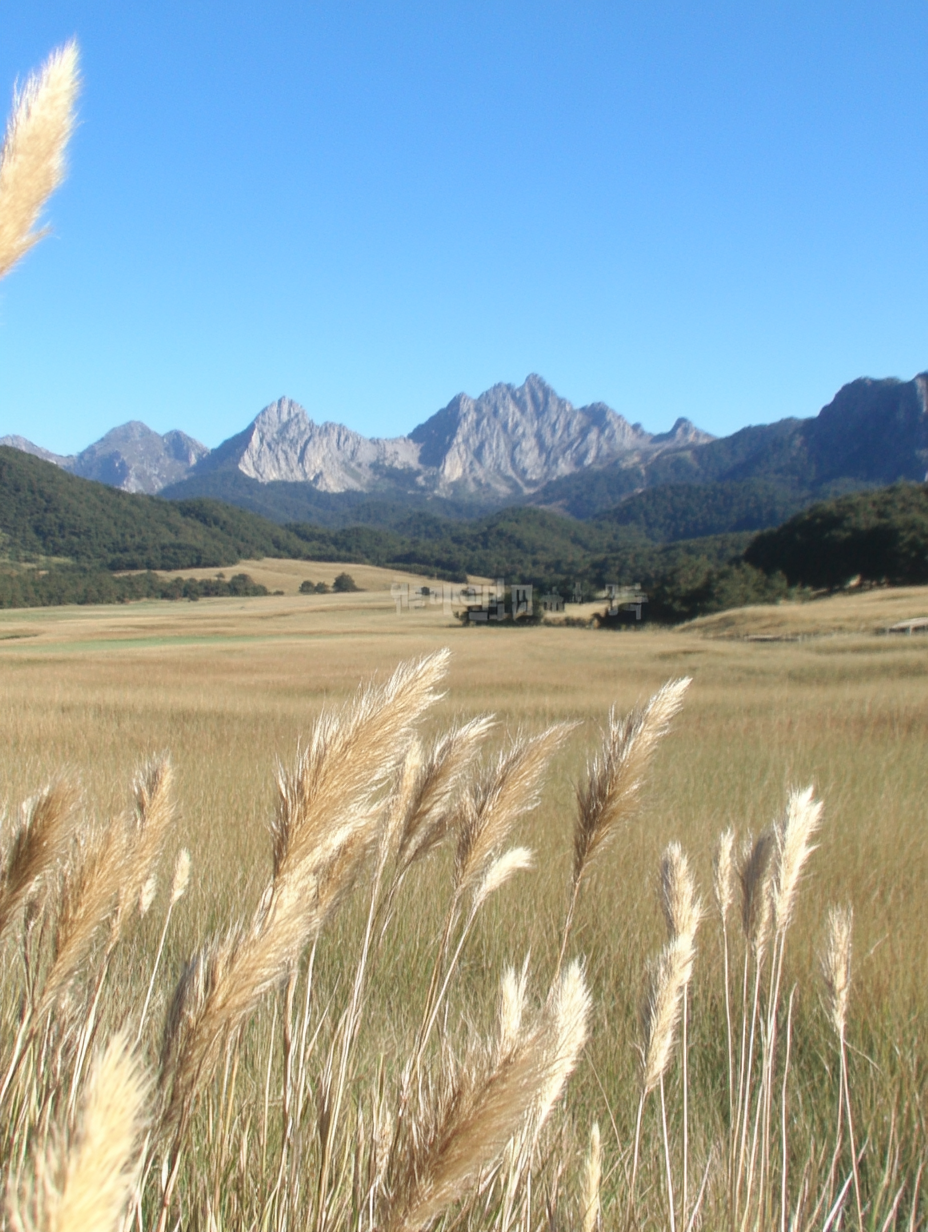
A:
x: 505, y: 866
x: 615, y: 777
x: 181, y: 877
x: 485, y: 1113
x: 756, y: 875
x: 679, y: 901
x: 32, y: 161
x: 87, y: 1187
x: 592, y: 1177
x: 723, y: 873
x: 836, y: 965
x: 39, y: 845
x: 668, y: 977
x: 793, y: 834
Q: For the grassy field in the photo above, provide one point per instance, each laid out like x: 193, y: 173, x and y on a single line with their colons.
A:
x: 228, y: 686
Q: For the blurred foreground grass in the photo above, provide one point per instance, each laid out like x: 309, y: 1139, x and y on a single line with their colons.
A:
x: 227, y: 686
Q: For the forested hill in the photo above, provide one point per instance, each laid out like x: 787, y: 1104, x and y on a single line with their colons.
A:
x: 879, y: 536
x: 46, y: 512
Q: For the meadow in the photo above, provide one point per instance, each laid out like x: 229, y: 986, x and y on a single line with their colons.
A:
x: 229, y: 686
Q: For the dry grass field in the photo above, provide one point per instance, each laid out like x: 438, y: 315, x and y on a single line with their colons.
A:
x: 228, y: 686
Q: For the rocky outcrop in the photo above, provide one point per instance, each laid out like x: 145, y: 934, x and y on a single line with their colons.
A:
x: 504, y: 444
x: 283, y: 443
x: 131, y: 457
x: 511, y: 440
x: 526, y: 442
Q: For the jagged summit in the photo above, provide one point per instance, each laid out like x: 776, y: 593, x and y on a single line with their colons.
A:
x: 504, y: 444
x: 131, y: 457
x: 521, y: 442
x: 283, y: 443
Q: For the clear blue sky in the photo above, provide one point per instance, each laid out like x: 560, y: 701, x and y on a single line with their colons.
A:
x: 711, y: 209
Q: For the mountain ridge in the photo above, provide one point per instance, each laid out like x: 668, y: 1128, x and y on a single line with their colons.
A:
x: 525, y: 445
x: 495, y: 448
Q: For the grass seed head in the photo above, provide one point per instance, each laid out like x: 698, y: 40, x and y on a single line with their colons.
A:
x: 38, y: 847
x: 493, y: 807
x: 756, y: 875
x: 615, y: 776
x: 592, y: 1178
x: 793, y: 847
x: 679, y: 901
x: 668, y: 976
x: 181, y: 877
x: 836, y: 965
x: 723, y: 873
x: 89, y: 1184
x: 32, y: 160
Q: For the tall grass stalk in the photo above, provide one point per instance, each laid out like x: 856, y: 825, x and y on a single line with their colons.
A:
x: 326, y: 1060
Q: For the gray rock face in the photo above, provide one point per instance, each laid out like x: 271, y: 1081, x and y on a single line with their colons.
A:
x: 136, y: 459
x: 506, y: 443
x: 511, y: 440
x: 130, y: 457
x: 284, y: 443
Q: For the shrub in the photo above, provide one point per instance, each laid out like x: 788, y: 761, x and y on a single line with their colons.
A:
x: 344, y: 582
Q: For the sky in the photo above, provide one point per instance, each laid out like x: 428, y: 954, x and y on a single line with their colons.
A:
x: 706, y: 209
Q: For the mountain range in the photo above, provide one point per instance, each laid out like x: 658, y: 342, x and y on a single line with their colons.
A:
x: 517, y: 445
x: 493, y: 449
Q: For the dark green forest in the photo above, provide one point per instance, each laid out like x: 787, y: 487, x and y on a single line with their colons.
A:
x: 691, y: 546
x: 878, y: 536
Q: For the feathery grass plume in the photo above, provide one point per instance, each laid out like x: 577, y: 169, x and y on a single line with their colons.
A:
x: 614, y: 778
x: 181, y: 877
x: 325, y: 828
x: 147, y: 827
x: 32, y: 161
x: 486, y: 1109
x: 147, y: 895
x: 836, y: 969
x: 679, y: 900
x: 223, y: 983
x: 503, y: 867
x: 668, y: 976
x: 38, y: 846
x: 723, y: 873
x: 682, y: 913
x: 493, y: 807
x: 512, y: 997
x: 592, y: 1178
x: 431, y: 809
x: 349, y: 757
x: 569, y: 1009
x: 756, y: 875
x: 793, y: 832
x: 90, y: 889
x: 836, y: 965
x: 87, y: 1187
x: 402, y: 797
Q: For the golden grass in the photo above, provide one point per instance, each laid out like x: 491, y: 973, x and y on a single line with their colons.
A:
x: 228, y: 685
x: 870, y: 611
x: 286, y: 575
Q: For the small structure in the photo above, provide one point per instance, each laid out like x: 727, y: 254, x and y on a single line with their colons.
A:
x: 919, y: 624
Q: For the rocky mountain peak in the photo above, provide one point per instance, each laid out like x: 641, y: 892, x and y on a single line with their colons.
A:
x: 502, y: 445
